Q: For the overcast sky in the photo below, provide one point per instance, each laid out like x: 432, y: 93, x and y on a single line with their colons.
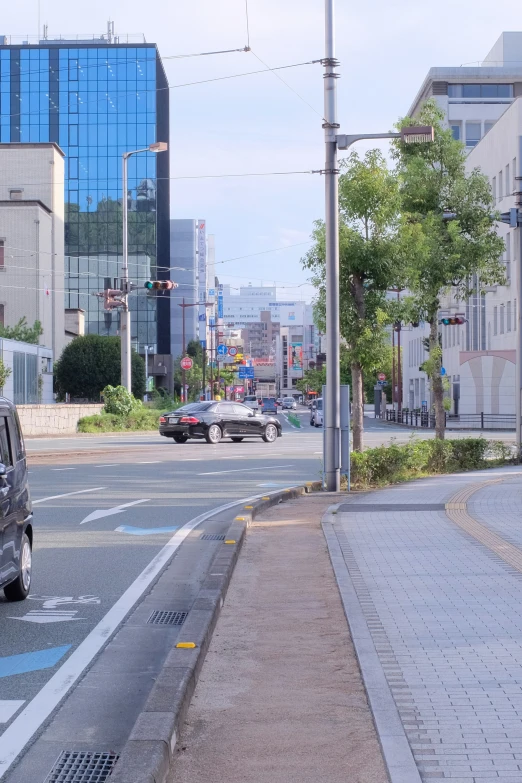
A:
x: 256, y: 123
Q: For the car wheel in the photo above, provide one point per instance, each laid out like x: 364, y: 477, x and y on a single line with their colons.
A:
x: 180, y: 438
x: 19, y: 589
x: 214, y: 434
x: 270, y: 434
x: 237, y: 440
x: 312, y: 423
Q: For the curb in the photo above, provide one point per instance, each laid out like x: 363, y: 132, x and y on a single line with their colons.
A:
x: 150, y: 749
x: 395, y: 747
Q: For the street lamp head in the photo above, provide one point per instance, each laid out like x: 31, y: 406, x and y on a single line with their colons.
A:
x: 159, y: 146
x: 417, y: 134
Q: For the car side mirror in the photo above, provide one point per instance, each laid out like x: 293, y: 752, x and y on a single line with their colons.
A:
x: 253, y: 413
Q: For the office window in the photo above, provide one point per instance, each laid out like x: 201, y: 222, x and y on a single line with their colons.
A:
x: 501, y: 324
x: 494, y: 188
x: 500, y: 186
x: 480, y: 91
x: 508, y: 317
x: 2, y: 254
x: 487, y: 126
x: 2, y: 315
x: 473, y: 131
x: 514, y: 315
x: 514, y: 184
x: 507, y: 181
x: 495, y: 320
x: 455, y: 129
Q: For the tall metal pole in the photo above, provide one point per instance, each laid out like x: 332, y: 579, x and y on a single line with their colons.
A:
x: 332, y: 458
x: 125, y: 325
x: 204, y: 371
x: 183, y: 349
x: 518, y: 384
x: 146, y: 370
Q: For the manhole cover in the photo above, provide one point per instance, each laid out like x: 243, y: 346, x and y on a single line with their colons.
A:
x: 211, y: 537
x: 167, y: 618
x: 82, y: 767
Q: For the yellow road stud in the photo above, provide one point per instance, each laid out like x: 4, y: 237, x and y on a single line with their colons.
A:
x: 240, y: 519
x: 249, y: 506
x: 186, y: 645
x: 266, y: 497
x: 230, y: 541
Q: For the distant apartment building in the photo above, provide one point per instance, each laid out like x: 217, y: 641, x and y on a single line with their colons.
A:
x: 259, y: 338
x: 183, y: 259
x: 32, y: 279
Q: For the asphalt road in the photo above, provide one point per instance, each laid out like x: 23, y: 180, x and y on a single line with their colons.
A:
x: 100, y: 522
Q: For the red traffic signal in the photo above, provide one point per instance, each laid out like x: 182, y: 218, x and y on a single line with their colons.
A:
x: 160, y: 285
x: 109, y: 301
x: 455, y: 320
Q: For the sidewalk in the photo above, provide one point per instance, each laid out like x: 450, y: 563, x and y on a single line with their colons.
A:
x: 280, y: 698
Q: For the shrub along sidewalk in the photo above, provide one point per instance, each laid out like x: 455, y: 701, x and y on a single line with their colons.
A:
x: 393, y: 464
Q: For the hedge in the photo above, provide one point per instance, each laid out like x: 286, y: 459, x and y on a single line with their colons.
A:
x: 392, y: 464
x: 140, y: 419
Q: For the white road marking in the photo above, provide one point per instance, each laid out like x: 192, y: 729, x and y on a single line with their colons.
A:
x: 107, y: 512
x: 43, y: 616
x: 8, y: 707
x: 68, y: 494
x: 243, y: 470
x: 110, y: 465
x: 29, y: 721
x: 151, y: 462
x: 58, y: 469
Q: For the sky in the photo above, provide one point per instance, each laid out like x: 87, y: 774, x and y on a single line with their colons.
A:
x: 257, y: 124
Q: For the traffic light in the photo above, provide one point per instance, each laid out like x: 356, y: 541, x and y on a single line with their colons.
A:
x: 109, y: 300
x: 454, y: 320
x: 160, y: 285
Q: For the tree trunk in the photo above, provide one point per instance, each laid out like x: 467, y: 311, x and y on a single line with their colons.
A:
x: 357, y: 406
x: 436, y: 382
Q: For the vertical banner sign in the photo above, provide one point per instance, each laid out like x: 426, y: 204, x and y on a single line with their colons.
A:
x: 220, y: 301
x: 295, y: 356
x: 202, y: 278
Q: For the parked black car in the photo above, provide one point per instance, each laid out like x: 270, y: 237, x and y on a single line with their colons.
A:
x: 16, y: 518
x: 216, y: 420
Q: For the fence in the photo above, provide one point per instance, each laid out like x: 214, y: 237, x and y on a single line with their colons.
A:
x: 470, y: 421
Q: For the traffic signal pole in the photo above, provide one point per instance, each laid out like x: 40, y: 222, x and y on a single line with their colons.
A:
x: 125, y: 320
x: 183, y: 349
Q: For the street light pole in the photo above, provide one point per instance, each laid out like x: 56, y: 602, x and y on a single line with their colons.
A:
x: 125, y: 319
x: 332, y: 441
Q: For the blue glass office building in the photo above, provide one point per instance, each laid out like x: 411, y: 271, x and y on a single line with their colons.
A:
x: 98, y: 100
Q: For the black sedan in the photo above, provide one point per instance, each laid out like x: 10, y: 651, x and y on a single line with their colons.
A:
x: 216, y: 420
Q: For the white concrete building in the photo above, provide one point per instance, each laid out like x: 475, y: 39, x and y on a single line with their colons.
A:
x: 32, y: 238
x: 474, y: 97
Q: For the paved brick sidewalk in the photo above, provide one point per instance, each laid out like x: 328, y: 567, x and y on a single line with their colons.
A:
x: 444, y: 614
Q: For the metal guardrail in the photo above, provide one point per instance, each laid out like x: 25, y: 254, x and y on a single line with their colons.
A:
x: 472, y: 421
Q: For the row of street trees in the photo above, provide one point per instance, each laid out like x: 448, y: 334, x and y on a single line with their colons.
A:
x: 394, y: 233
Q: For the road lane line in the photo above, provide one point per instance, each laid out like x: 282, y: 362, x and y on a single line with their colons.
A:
x: 68, y: 494
x: 151, y: 462
x: 28, y: 722
x: 57, y: 469
x: 8, y: 707
x: 243, y: 470
x: 110, y: 465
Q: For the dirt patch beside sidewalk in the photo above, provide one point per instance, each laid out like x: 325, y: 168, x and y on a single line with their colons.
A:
x: 280, y: 698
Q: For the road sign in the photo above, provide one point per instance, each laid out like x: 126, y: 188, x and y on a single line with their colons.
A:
x: 381, y: 383
x: 232, y: 350
x: 381, y: 376
x: 246, y: 372
x: 222, y: 350
x: 443, y: 371
x: 186, y: 363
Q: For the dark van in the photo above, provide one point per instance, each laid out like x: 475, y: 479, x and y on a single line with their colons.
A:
x: 16, y: 517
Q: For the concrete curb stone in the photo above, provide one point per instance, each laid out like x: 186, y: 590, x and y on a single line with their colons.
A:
x: 150, y: 749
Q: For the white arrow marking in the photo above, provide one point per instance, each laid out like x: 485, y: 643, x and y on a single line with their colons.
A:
x: 107, y: 512
x: 42, y: 616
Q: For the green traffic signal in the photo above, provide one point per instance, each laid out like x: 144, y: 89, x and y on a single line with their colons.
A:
x: 149, y: 285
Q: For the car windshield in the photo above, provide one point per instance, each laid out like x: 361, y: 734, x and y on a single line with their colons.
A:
x: 250, y: 398
x: 269, y: 400
x: 319, y: 405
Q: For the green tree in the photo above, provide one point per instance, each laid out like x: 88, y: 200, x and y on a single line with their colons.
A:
x: 193, y: 380
x: 461, y: 254
x: 89, y: 364
x: 5, y: 372
x: 312, y: 380
x: 22, y: 331
x: 371, y: 257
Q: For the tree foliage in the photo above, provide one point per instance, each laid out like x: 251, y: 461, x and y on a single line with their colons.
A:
x: 447, y: 217
x: 5, y: 372
x: 371, y: 257
x: 89, y: 364
x: 22, y: 331
x: 118, y: 401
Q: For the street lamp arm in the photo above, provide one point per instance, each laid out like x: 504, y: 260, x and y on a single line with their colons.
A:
x: 345, y: 141
x: 134, y: 152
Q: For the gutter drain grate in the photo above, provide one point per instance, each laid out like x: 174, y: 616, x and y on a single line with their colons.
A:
x: 167, y: 618
x: 82, y: 767
x: 212, y: 537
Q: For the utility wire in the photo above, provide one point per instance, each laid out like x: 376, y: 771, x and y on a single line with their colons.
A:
x: 287, y: 85
x: 164, y: 179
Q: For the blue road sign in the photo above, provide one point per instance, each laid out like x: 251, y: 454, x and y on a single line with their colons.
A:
x: 222, y: 350
x: 382, y: 383
x: 443, y: 371
x: 246, y: 372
